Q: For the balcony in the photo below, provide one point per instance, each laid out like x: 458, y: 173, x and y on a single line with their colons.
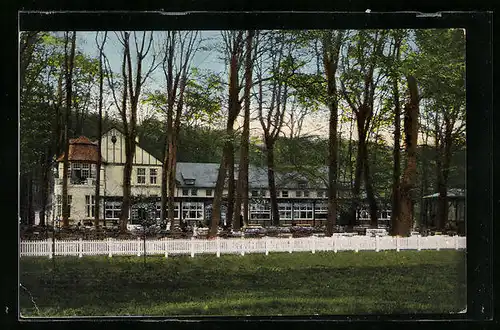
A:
x: 78, y: 181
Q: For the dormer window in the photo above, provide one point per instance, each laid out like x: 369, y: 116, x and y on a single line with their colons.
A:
x: 302, y: 185
x: 189, y: 182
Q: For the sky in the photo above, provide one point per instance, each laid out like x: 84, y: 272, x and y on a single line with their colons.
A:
x: 203, y: 60
x: 211, y: 60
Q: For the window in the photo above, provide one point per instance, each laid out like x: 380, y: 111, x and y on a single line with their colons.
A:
x: 78, y: 173
x: 306, y: 193
x: 285, y: 211
x: 208, y: 192
x: 90, y: 205
x: 189, y: 182
x: 158, y: 211
x: 320, y: 194
x: 260, y: 211
x: 59, y: 205
x: 113, y: 210
x: 192, y: 211
x: 255, y: 193
x: 302, y: 184
x: 298, y: 193
x: 321, y: 211
x: 185, y: 192
x: 152, y: 175
x: 141, y: 176
x: 263, y: 193
x: 303, y: 211
x: 284, y: 193
x: 194, y: 192
x: 85, y: 171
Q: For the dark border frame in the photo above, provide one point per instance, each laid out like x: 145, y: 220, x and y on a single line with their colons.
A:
x: 479, y: 139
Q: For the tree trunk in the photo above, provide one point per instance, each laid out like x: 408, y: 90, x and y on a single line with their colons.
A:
x: 45, y: 187
x: 97, y: 198
x: 219, y: 189
x: 349, y: 162
x: 396, y: 170
x: 403, y: 226
x: 68, y: 65
x: 356, y: 198
x: 165, y: 171
x: 127, y: 176
x: 331, y: 53
x: 230, y: 185
x: 227, y: 161
x: 30, y: 212
x: 272, y: 183
x: 242, y: 184
x: 370, y: 194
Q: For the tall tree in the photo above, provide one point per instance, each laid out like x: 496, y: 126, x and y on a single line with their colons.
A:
x: 332, y: 41
x: 359, y: 82
x: 97, y: 198
x: 180, y: 48
x: 272, y: 103
x: 404, y: 219
x: 234, y: 45
x: 440, y: 71
x: 242, y: 183
x: 394, y: 76
x: 68, y: 77
x: 131, y: 90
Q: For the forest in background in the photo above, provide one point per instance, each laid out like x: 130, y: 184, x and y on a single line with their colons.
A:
x: 358, y: 82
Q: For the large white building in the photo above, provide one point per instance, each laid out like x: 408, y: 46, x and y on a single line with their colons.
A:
x: 299, y: 200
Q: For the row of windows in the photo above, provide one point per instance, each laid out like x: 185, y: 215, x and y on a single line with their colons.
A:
x: 286, y: 193
x: 194, y: 210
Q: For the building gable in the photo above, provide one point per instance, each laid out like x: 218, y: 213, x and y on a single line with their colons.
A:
x: 113, y: 150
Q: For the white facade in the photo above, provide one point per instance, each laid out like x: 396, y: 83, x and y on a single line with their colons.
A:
x: 145, y: 181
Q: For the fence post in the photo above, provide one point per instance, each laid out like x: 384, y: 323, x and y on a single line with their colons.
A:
x: 437, y: 242
x: 266, y: 239
x: 138, y: 246
x: 456, y: 241
x: 334, y: 244
x: 218, y: 246
x: 109, y: 248
x: 397, y: 243
x: 418, y: 243
x: 356, y: 248
x: 376, y: 244
x: 165, y: 246
x: 192, y: 247
x: 80, y: 248
x: 49, y: 244
x: 242, y: 244
x: 313, y: 244
x: 290, y: 244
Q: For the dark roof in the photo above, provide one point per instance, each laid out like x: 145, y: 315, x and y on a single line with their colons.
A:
x: 205, y: 175
x: 81, y: 149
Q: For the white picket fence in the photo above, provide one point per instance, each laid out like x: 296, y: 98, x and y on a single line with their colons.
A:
x: 166, y: 247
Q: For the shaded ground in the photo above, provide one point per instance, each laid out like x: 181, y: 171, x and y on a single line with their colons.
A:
x: 255, y: 284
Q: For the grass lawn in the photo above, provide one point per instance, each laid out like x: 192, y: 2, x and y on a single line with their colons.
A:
x: 254, y: 284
